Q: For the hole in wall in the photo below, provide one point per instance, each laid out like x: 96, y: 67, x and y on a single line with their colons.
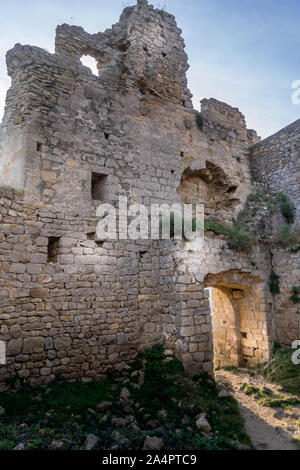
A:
x: 142, y: 253
x: 93, y: 236
x: 38, y: 146
x: 99, y: 188
x: 182, y: 154
x: 91, y: 63
x: 106, y: 135
x: 53, y: 249
x: 209, y: 186
x: 232, y: 189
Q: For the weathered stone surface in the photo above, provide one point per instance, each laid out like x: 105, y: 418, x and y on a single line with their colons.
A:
x: 39, y: 292
x: 203, y: 424
x: 33, y: 345
x: 14, y: 347
x: 153, y: 443
x: 82, y: 305
x: 91, y: 442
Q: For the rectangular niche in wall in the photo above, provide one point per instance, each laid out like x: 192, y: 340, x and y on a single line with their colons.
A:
x: 53, y: 248
x: 99, y: 187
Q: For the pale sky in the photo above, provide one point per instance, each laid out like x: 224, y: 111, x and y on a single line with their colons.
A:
x: 243, y: 52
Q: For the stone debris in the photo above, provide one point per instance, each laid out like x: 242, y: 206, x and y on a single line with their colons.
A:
x: 91, y: 442
x: 202, y: 423
x: 104, y: 405
x: 153, y: 443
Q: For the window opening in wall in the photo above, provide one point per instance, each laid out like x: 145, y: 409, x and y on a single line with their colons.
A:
x: 142, y: 253
x: 91, y: 63
x: 53, y: 248
x: 99, y: 187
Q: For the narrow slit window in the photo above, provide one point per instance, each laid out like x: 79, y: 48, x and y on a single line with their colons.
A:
x: 53, y: 249
x: 99, y: 187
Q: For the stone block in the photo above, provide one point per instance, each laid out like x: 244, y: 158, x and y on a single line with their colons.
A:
x: 33, y: 345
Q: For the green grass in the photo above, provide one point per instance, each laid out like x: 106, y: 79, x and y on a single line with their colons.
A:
x: 67, y: 412
x: 283, y: 372
x: 288, y: 210
x: 286, y: 238
x: 264, y: 398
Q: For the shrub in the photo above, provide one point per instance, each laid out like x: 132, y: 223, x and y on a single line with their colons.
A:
x: 239, y: 238
x: 287, y: 238
x: 255, y: 197
x: 218, y: 229
x: 199, y: 121
x: 295, y: 295
x: 282, y: 371
x: 288, y: 211
x: 274, y: 283
x: 287, y: 208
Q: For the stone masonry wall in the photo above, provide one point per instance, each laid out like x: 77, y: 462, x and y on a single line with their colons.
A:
x: 77, y: 305
x: 276, y: 163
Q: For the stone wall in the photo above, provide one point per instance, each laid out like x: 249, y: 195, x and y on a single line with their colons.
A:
x: 77, y: 305
x: 276, y: 163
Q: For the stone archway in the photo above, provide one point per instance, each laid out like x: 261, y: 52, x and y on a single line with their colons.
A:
x: 239, y: 318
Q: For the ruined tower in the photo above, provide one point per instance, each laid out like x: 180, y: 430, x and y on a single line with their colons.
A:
x: 76, y: 305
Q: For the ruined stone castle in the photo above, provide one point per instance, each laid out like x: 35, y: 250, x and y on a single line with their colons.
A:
x: 74, y: 305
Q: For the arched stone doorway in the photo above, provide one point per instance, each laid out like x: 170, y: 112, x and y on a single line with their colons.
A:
x: 239, y: 319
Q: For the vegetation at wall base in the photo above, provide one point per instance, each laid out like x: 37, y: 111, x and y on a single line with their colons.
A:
x: 152, y: 397
x: 287, y: 208
x: 282, y: 371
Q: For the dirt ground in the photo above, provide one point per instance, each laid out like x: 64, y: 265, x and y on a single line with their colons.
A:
x: 268, y: 428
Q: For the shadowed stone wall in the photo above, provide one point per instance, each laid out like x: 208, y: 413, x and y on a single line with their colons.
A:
x: 276, y: 163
